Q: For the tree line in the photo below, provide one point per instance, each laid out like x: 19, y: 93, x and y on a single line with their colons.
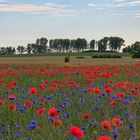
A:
x: 43, y: 45
x: 134, y: 49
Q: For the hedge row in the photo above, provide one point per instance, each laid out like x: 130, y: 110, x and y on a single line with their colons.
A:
x: 107, y: 56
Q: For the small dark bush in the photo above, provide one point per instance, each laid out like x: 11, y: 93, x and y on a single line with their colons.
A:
x: 80, y: 57
x: 67, y: 59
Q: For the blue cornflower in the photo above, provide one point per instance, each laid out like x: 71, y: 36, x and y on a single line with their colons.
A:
x: 17, y: 88
x: 49, y: 97
x: 2, y: 125
x: 66, y: 115
x: 84, y: 129
x: 115, y: 134
x: 31, y: 126
x: 4, y: 131
x: 17, y: 135
x: 102, y: 83
x: 20, y: 109
x: 126, y: 101
x: 33, y: 122
x: 67, y: 99
x: 130, y: 127
x: 64, y: 103
x: 18, y: 126
x: 17, y: 103
x: 134, y: 137
x: 84, y: 91
x: 58, y: 111
x: 49, y: 118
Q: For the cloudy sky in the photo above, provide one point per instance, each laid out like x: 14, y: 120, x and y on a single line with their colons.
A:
x: 22, y: 21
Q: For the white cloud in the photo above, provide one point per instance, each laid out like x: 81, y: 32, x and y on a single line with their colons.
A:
x: 95, y: 7
x: 92, y: 5
x: 36, y: 9
x: 119, y: 0
x: 119, y: 14
x: 134, y: 3
x: 137, y: 16
x: 124, y: 3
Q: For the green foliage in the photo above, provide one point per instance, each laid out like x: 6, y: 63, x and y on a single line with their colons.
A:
x: 107, y: 56
x: 102, y: 44
x: 92, y: 44
x: 135, y: 50
x: 7, y: 51
x: 115, y: 43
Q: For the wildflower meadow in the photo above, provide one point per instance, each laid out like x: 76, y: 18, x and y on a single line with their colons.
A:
x: 53, y: 102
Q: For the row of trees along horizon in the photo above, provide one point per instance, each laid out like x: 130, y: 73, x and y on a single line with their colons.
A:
x: 43, y: 45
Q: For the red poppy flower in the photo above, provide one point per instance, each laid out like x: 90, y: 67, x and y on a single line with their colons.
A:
x: 108, y: 90
x: 41, y: 111
x: 33, y: 90
x: 76, y: 132
x: 53, y: 113
x: 47, y: 81
x: 116, y: 122
x: 12, y: 107
x: 28, y: 103
x: 1, y: 102
x: 86, y: 116
x: 134, y: 91
x: 12, y: 97
x: 97, y: 90
x: 106, y: 125
x: 113, y: 103
x: 105, y: 138
x: 42, y: 86
x: 57, y: 123
x: 43, y: 100
x: 1, y: 80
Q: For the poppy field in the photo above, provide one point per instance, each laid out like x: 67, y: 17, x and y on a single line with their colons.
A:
x: 52, y: 102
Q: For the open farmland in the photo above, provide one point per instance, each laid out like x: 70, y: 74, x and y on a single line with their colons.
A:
x: 60, y: 60
x: 97, y: 102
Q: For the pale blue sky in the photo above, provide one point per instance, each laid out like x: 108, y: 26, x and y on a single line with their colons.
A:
x: 22, y: 21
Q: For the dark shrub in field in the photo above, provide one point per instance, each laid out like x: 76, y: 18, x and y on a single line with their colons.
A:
x: 80, y: 57
x: 136, y: 54
x: 67, y: 59
x: 107, y: 56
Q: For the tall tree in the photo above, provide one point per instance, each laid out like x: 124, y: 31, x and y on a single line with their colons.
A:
x: 115, y: 43
x: 72, y: 44
x: 92, y: 44
x: 80, y: 44
x: 102, y: 44
x: 41, y: 45
x: 66, y: 44
x: 29, y: 48
x: 20, y: 49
